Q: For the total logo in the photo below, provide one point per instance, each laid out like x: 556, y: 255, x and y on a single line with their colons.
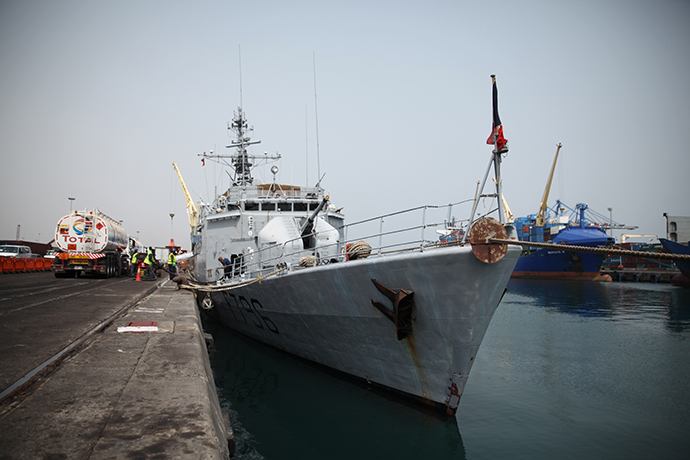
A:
x: 81, y: 226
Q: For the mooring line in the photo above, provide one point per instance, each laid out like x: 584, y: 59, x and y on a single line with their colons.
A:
x: 611, y: 251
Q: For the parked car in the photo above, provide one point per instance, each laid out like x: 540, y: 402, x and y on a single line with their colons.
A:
x: 11, y: 250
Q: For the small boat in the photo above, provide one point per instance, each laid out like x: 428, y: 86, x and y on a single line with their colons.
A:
x: 390, y: 307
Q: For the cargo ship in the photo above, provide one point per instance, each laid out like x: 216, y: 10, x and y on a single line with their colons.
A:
x: 581, y: 227
x: 555, y: 264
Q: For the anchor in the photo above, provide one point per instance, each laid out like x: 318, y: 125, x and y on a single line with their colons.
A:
x: 401, y: 313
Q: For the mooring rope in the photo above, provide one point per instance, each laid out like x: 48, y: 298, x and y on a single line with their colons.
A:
x: 227, y: 287
x: 608, y: 251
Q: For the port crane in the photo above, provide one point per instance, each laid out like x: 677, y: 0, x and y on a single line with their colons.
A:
x: 577, y: 214
x: 192, y: 209
x: 541, y: 215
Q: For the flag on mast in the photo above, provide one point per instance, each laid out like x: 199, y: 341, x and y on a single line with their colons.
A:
x: 497, y: 127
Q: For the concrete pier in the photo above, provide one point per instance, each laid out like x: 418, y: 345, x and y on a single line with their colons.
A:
x: 125, y: 394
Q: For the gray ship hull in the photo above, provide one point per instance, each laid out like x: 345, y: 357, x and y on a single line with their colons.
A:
x: 325, y: 314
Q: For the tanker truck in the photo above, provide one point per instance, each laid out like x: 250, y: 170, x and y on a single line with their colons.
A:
x: 87, y: 242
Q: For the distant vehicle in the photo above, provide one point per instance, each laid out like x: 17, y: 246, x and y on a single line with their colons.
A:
x: 11, y: 250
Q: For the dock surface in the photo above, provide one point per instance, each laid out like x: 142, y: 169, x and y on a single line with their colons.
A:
x: 121, y: 394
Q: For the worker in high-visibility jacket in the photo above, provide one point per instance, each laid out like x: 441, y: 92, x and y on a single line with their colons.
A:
x: 172, y: 264
x: 134, y: 262
x: 149, y: 261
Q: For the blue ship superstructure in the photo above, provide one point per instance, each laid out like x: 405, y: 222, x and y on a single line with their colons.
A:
x: 561, y: 229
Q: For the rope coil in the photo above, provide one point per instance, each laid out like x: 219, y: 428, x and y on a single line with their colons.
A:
x: 358, y: 250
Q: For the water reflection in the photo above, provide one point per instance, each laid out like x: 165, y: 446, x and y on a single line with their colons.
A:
x: 664, y: 303
x: 567, y: 370
x: 276, y: 402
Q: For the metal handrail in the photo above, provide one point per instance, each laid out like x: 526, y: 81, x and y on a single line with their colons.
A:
x: 265, y: 260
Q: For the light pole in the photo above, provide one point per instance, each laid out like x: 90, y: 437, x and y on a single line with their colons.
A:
x: 611, y: 220
x: 171, y: 227
x: 70, y: 203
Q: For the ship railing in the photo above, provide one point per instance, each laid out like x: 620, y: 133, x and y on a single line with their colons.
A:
x: 411, y: 230
x: 274, y: 190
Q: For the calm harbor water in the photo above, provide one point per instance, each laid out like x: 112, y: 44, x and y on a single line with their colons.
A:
x: 567, y: 370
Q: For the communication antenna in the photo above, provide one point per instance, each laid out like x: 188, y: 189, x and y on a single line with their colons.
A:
x: 306, y: 139
x: 316, y: 116
x: 239, y: 49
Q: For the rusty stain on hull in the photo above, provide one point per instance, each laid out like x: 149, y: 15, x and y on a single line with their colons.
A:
x: 454, y: 394
x: 424, y: 385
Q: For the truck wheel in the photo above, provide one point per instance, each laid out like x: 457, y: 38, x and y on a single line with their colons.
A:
x: 108, y: 266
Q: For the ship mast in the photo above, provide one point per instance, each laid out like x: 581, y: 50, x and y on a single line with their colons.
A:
x: 241, y: 160
x: 496, y: 163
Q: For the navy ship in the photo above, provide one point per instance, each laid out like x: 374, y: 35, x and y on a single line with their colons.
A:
x: 392, y: 307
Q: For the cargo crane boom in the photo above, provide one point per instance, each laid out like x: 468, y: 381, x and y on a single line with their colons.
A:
x: 192, y: 211
x: 541, y: 216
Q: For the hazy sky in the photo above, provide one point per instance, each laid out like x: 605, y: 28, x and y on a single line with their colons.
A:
x: 97, y: 99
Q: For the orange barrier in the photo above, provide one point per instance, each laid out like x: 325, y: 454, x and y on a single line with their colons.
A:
x: 19, y: 264
x: 7, y: 264
x: 24, y: 265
